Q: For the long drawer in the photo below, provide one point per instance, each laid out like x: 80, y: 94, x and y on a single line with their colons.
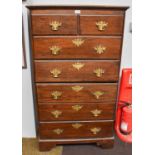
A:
x: 76, y: 93
x: 77, y: 71
x: 76, y: 47
x: 76, y: 130
x: 74, y: 111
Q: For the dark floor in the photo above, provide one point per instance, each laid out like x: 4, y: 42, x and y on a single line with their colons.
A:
x: 120, y: 148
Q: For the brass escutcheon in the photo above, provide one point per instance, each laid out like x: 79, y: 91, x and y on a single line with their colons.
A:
x: 97, y: 94
x: 99, y: 72
x: 77, y: 125
x: 77, y: 88
x: 100, y: 49
x: 78, y: 42
x: 101, y: 25
x: 95, y: 130
x: 55, y: 25
x: 58, y: 131
x: 77, y: 107
x: 56, y: 113
x: 55, y: 50
x: 78, y: 65
x: 56, y: 94
x: 55, y: 72
x: 96, y: 112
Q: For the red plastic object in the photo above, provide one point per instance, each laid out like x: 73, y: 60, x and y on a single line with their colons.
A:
x: 123, y: 122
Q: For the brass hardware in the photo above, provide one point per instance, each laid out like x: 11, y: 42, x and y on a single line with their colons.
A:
x: 101, y: 25
x: 56, y: 113
x: 96, y: 112
x: 77, y: 125
x: 99, y: 72
x: 95, y: 130
x: 55, y: 50
x: 78, y: 42
x: 58, y: 131
x: 77, y: 107
x: 55, y: 25
x: 97, y: 94
x: 78, y: 65
x: 55, y: 72
x: 77, y: 88
x: 56, y: 94
x: 100, y: 49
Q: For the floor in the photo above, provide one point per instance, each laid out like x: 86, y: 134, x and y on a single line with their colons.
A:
x: 120, y: 148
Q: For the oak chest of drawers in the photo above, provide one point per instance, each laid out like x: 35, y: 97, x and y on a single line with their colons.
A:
x: 75, y: 59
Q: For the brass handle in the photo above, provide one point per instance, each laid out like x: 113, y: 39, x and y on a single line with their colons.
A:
x: 58, y: 131
x: 101, y: 25
x: 55, y: 25
x: 97, y: 94
x: 56, y: 94
x: 77, y: 107
x: 78, y: 42
x: 77, y: 125
x: 55, y: 50
x: 96, y: 112
x: 95, y: 130
x: 78, y: 65
x: 56, y: 113
x: 55, y: 72
x: 100, y: 49
x: 77, y: 88
x: 99, y: 72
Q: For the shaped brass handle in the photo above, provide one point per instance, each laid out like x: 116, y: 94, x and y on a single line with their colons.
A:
x: 95, y: 130
x: 56, y: 113
x: 55, y: 50
x: 55, y: 72
x: 55, y: 25
x: 97, y: 94
x: 100, y: 49
x: 56, y: 94
x: 101, y: 25
x: 58, y: 131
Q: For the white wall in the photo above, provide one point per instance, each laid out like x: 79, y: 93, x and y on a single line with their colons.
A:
x: 28, y: 125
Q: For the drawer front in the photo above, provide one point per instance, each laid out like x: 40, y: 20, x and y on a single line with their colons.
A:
x: 77, y: 47
x: 76, y: 71
x: 101, y: 25
x: 56, y: 24
x: 76, y: 130
x: 71, y: 93
x: 81, y: 111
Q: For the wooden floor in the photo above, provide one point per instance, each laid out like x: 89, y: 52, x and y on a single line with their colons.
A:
x: 30, y: 147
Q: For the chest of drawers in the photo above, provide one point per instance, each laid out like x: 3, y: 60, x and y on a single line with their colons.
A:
x: 75, y: 62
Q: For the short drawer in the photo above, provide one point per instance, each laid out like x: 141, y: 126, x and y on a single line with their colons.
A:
x: 102, y: 25
x: 76, y: 93
x: 77, y: 47
x: 54, y: 24
x: 76, y: 130
x: 74, y: 111
x: 76, y: 71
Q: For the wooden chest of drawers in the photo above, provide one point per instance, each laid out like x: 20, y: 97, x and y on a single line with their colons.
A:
x: 75, y: 59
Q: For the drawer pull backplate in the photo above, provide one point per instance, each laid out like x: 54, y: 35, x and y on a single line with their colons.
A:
x: 55, y: 25
x: 101, y: 25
